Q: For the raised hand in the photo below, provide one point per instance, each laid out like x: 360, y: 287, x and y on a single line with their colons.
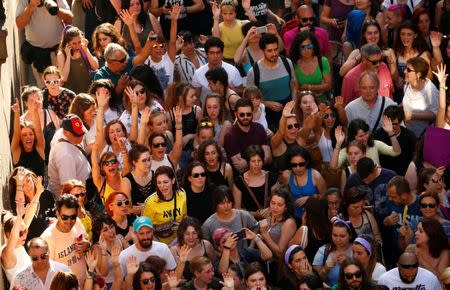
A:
x: 115, y: 252
x: 178, y: 115
x: 340, y: 135
x: 132, y: 265
x: 175, y: 11
x: 131, y: 94
x: 16, y: 107
x: 436, y: 38
x: 287, y: 110
x: 91, y: 260
x: 123, y: 81
x: 184, y: 253
x: 386, y: 123
x: 202, y: 39
x: 172, y: 280
x: 127, y: 17
x: 215, y: 9
x: 440, y: 74
x: 38, y: 184
x: 339, y: 101
x: 84, y: 44
x: 145, y: 115
x: 122, y: 144
x: 20, y: 176
x: 179, y: 42
x: 228, y: 281
x: 102, y: 95
x: 251, y: 32
x: 230, y: 242
x: 271, y: 28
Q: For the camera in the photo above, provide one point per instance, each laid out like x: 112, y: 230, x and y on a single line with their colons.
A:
x: 51, y: 6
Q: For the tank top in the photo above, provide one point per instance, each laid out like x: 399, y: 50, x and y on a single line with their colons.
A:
x: 142, y: 36
x: 232, y: 38
x: 78, y: 79
x: 165, y: 162
x: 139, y: 193
x: 247, y: 66
x: 190, y: 124
x: 280, y: 162
x: 301, y: 190
x: 325, y: 147
x: 33, y: 161
x: 216, y: 177
x: 107, y: 190
x: 275, y: 231
x: 313, y: 245
x: 22, y: 261
x: 365, y: 228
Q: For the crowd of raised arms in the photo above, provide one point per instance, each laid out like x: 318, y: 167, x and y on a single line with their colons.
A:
x: 259, y: 144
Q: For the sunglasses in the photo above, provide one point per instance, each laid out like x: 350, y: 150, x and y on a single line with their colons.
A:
x: 331, y: 115
x: 146, y: 281
x: 242, y: 115
x: 161, y: 45
x: 81, y: 194
x: 299, y: 164
x: 197, y: 175
x: 290, y: 126
x: 21, y: 233
x: 409, y: 70
x: 43, y: 257
x: 409, y: 266
x: 53, y: 82
x: 122, y: 60
x: 428, y: 205
x: 349, y: 276
x: 110, y: 162
x: 157, y: 145
x: 305, y: 47
x: 374, y: 62
x: 126, y: 202
x: 310, y: 19
x: 206, y: 124
x: 66, y: 217
x: 140, y: 92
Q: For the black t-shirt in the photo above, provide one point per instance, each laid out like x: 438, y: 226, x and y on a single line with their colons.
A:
x: 199, y: 205
x: 259, y: 9
x: 41, y: 221
x: 407, y: 141
x: 215, y: 285
x: 124, y: 232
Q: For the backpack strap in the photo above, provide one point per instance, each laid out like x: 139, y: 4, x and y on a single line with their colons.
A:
x: 286, y: 66
x: 326, y: 253
x: 256, y: 73
x: 379, y: 114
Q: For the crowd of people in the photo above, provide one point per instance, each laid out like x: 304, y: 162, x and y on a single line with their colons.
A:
x: 256, y: 145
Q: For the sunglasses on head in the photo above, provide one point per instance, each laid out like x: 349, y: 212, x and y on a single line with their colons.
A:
x: 206, y: 124
x: 140, y: 92
x: 66, y: 217
x: 310, y: 19
x: 53, y: 82
x: 242, y: 115
x: 126, y: 202
x: 305, y: 47
x: 428, y: 205
x: 43, y: 257
x: 197, y: 175
x: 349, y: 276
x: 409, y: 266
x: 146, y: 281
x: 374, y: 62
x: 331, y: 115
x: 290, y: 126
x: 161, y: 45
x: 122, y: 60
x: 109, y: 162
x: 81, y: 194
x: 157, y: 145
x: 299, y: 164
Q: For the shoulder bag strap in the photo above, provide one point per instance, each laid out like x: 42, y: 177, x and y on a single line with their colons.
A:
x: 175, y: 206
x: 252, y: 195
x: 379, y: 114
x: 78, y: 147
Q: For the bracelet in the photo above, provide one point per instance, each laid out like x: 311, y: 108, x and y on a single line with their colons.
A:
x: 337, y: 148
x: 258, y: 239
x: 91, y: 274
x: 178, y: 127
x: 226, y: 247
x: 443, y: 87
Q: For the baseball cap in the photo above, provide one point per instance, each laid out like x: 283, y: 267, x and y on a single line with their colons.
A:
x: 74, y: 125
x: 142, y: 221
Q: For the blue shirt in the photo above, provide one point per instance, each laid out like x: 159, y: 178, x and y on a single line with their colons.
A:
x: 105, y: 73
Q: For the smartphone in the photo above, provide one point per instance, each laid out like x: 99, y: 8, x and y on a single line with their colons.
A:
x: 240, y: 235
x: 261, y: 29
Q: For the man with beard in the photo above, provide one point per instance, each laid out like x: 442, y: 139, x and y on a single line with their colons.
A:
x: 352, y: 276
x: 245, y: 133
x: 408, y: 275
x: 145, y: 246
x: 274, y: 75
x: 306, y: 22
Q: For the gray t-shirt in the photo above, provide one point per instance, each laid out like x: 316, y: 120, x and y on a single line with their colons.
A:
x: 43, y: 30
x: 358, y: 109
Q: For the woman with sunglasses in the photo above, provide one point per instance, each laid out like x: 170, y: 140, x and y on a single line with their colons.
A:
x: 218, y: 171
x: 56, y: 97
x: 118, y: 208
x: 365, y: 250
x: 429, y: 207
x: 145, y: 277
x: 78, y: 189
x: 312, y: 69
x: 302, y: 179
x: 251, y: 190
x: 167, y: 206
x: 214, y: 109
x: 431, y: 246
x: 329, y: 257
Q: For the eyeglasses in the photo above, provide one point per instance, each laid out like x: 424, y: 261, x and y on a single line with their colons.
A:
x: 147, y: 159
x: 53, y: 82
x: 43, y: 257
x: 410, y: 70
x: 305, y: 47
x: 122, y: 60
x: 310, y: 19
x: 161, y: 45
x: 374, y: 62
x: 126, y: 202
x: 331, y: 115
x: 140, y: 92
x: 197, y: 175
x: 299, y: 164
x: 157, y: 145
x: 206, y: 124
x: 290, y: 126
x: 242, y: 115
x: 81, y: 194
x: 428, y: 205
x: 66, y: 217
x: 149, y: 280
x: 409, y: 266
x: 109, y: 162
x: 349, y: 276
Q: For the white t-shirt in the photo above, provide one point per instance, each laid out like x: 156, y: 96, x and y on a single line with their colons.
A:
x: 425, y: 280
x: 163, y: 70
x: 411, y: 4
x: 378, y: 271
x: 199, y: 80
x: 426, y: 100
x: 61, y: 247
x: 157, y: 249
x: 29, y: 279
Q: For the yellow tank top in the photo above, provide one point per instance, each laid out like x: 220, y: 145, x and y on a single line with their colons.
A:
x: 108, y: 190
x: 232, y: 37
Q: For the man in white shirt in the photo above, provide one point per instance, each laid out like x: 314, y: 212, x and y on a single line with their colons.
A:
x: 408, y: 275
x: 39, y: 275
x: 370, y: 106
x: 214, y: 53
x: 145, y: 246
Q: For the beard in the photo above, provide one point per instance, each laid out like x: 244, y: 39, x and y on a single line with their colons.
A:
x: 406, y: 281
x: 244, y: 123
x: 146, y: 243
x: 354, y: 285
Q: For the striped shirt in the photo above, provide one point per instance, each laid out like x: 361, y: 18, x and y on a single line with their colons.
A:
x: 185, y: 68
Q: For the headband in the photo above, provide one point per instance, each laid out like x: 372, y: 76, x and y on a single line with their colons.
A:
x: 365, y: 244
x: 338, y: 219
x: 289, y: 251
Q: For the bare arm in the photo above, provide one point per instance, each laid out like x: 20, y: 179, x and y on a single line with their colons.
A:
x: 65, y: 15
x: 93, y: 61
x: 63, y: 62
x: 127, y: 18
x: 442, y: 77
x: 287, y: 231
x: 198, y: 6
x: 319, y: 182
x: 15, y: 142
x: 23, y: 19
x: 175, y: 13
x: 96, y: 176
x: 216, y: 15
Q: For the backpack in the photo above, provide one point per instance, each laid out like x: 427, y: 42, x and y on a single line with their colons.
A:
x: 257, y: 75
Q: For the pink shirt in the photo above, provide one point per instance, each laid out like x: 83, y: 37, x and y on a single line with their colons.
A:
x: 350, y: 87
x: 320, y: 33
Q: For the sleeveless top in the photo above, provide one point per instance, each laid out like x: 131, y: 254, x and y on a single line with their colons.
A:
x: 22, y: 261
x: 33, y: 161
x: 106, y: 190
x: 232, y: 38
x: 59, y: 104
x: 275, y: 231
x: 261, y: 193
x: 165, y: 162
x: 124, y: 232
x: 365, y: 228
x: 78, y: 79
x: 189, y: 122
x: 280, y: 162
x: 301, y: 190
x: 216, y: 177
x: 139, y: 193
x: 142, y: 36
x: 247, y: 66
x: 48, y: 131
x: 325, y: 147
x: 313, y: 245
